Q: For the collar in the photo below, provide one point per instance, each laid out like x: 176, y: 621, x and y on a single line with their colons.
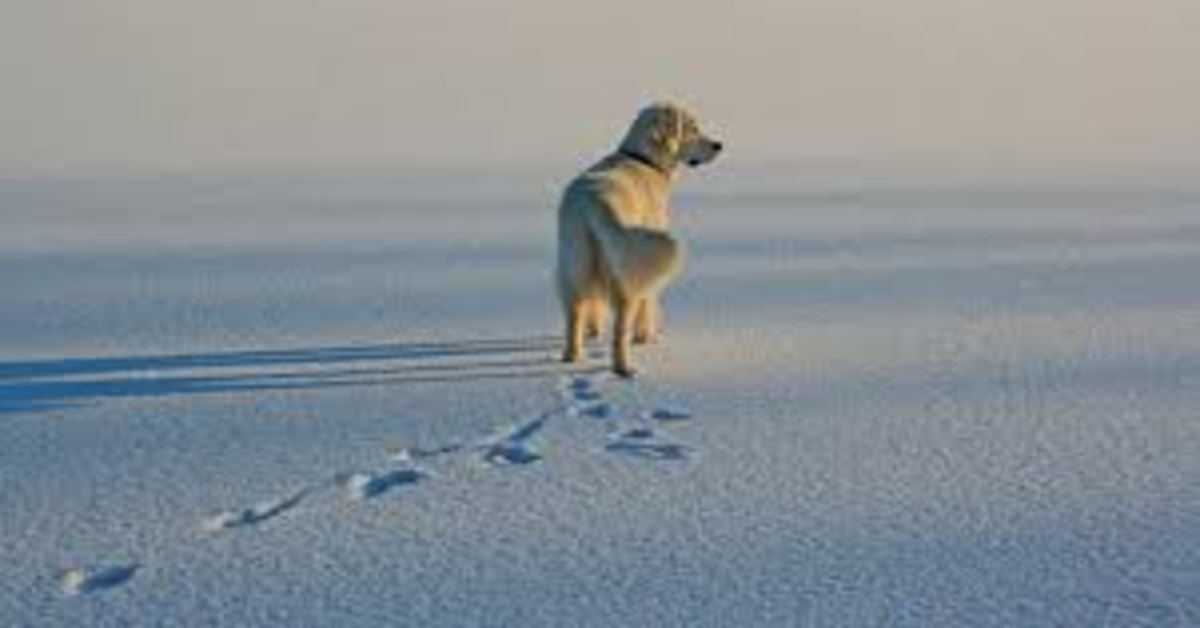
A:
x: 645, y: 161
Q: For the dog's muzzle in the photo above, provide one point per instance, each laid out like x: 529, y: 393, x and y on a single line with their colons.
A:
x: 712, y: 149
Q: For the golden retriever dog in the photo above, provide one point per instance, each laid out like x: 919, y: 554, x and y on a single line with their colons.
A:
x: 615, y: 252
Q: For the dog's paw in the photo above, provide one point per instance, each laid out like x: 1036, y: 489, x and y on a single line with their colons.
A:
x: 624, y: 371
x: 571, y: 356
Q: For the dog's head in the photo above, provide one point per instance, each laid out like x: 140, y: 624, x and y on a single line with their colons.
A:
x: 668, y: 135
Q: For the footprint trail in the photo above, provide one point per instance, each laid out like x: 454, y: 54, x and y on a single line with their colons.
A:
x: 634, y: 433
x: 633, y: 429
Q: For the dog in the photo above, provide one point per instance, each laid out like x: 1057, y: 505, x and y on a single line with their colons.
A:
x: 615, y: 253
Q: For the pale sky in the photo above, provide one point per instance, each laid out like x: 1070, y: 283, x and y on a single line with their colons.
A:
x: 153, y: 85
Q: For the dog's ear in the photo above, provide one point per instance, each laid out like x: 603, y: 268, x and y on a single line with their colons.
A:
x: 667, y: 132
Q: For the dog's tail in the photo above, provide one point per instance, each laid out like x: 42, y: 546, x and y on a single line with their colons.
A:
x: 640, y: 261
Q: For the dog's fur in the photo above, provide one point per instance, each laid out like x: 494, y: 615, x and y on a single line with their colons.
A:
x: 614, y: 248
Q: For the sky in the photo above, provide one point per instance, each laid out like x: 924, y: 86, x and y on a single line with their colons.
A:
x: 229, y: 85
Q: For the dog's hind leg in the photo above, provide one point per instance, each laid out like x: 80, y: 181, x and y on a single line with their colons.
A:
x: 647, y: 324
x: 595, y: 313
x: 623, y: 335
x: 575, y: 314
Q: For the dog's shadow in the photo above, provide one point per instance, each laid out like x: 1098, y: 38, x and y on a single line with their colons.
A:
x: 42, y: 385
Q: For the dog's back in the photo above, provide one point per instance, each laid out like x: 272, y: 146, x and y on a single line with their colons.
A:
x: 612, y: 234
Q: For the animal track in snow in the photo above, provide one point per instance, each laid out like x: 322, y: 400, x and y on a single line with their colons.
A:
x: 364, y: 486
x: 407, y: 455
x: 87, y: 580
x: 581, y: 388
x: 644, y: 442
x: 580, y: 396
x: 639, y: 434
x: 511, y: 453
x: 262, y: 511
x: 667, y: 414
x: 515, y: 448
x: 598, y: 411
x: 586, y: 394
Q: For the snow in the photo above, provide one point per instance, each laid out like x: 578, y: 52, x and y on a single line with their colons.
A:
x: 337, y: 402
x: 87, y: 580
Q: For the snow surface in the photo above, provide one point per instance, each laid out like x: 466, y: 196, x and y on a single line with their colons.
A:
x: 335, y: 402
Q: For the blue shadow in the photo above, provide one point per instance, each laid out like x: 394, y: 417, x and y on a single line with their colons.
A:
x: 45, y: 385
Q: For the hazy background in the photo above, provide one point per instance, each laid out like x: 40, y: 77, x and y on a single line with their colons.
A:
x: 998, y: 87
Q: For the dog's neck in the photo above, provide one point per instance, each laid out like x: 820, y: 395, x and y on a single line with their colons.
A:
x: 646, y: 161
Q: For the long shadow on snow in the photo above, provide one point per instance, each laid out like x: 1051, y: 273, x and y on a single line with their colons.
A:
x: 43, y: 385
